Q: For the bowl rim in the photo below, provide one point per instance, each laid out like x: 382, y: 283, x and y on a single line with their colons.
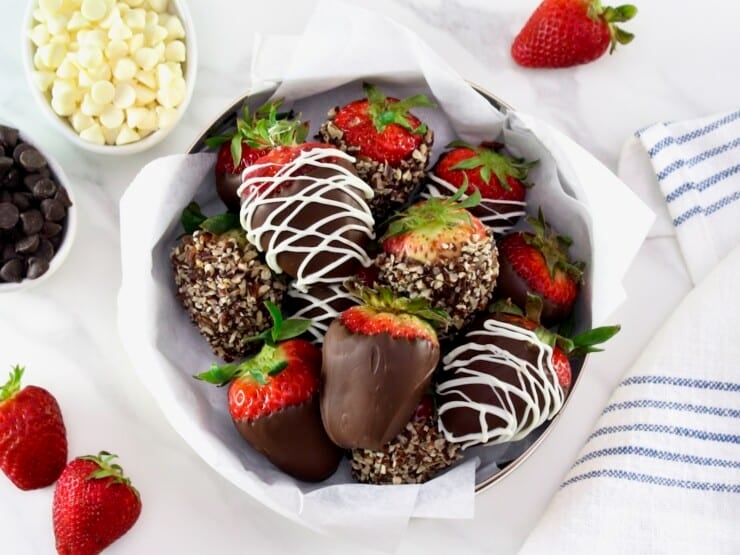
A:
x: 63, y: 127
x: 70, y: 233
x: 269, y: 87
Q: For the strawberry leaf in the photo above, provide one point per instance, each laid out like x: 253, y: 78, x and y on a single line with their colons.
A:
x: 217, y: 141
x: 221, y: 223
x: 236, y: 149
x: 277, y: 368
x: 191, y: 218
x: 293, y: 328
x: 13, y: 385
x: 219, y: 375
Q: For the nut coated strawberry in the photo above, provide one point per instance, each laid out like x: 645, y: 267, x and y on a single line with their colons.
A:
x: 563, y: 33
x: 378, y: 360
x: 273, y: 400
x: 537, y: 263
x: 439, y: 251
x: 33, y: 439
x: 94, y: 505
x: 255, y: 135
x: 390, y: 144
x: 500, y: 179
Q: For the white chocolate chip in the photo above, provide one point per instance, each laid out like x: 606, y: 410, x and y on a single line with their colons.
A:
x: 111, y: 117
x: 56, y: 23
x: 175, y: 51
x: 155, y: 34
x: 90, y: 57
x: 158, y: 5
x: 134, y: 3
x: 125, y: 69
x: 136, y: 42
x: 127, y: 135
x: 102, y: 73
x: 80, y: 121
x: 166, y: 117
x: 96, y: 38
x: 43, y: 79
x: 115, y: 50
x: 103, y: 92
x: 94, y: 10
x: 93, y: 134
x: 146, y: 58
x: 147, y: 78
x: 135, y: 19
x: 164, y: 75
x: 125, y: 95
x: 52, y: 55
x: 152, y: 18
x: 50, y: 6
x: 174, y: 27
x: 62, y: 38
x: 144, y: 95
x: 39, y: 15
x: 119, y: 31
x: 63, y: 105
x: 39, y: 35
x: 77, y: 21
x: 68, y: 69
x: 89, y: 107
x: 84, y: 81
x: 172, y: 95
x: 110, y: 134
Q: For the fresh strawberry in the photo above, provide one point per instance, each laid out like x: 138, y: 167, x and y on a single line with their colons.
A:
x: 273, y: 400
x: 378, y: 363
x: 499, y: 178
x: 222, y: 282
x: 391, y: 145
x: 255, y: 135
x: 507, y: 375
x: 537, y: 263
x: 563, y: 33
x: 439, y: 251
x: 94, y: 505
x: 305, y: 207
x: 33, y: 439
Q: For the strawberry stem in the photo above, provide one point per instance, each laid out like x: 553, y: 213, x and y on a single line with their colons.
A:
x: 553, y: 247
x: 384, y: 300
x: 108, y: 469
x: 610, y: 16
x: 193, y: 219
x: 493, y: 163
x: 384, y: 111
x: 13, y: 385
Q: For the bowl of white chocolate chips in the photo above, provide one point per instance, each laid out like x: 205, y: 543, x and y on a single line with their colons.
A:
x: 114, y: 76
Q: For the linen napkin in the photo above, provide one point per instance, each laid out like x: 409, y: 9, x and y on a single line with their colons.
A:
x: 661, y: 471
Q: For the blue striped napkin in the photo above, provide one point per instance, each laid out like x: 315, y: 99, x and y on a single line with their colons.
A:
x: 661, y: 471
x: 697, y: 164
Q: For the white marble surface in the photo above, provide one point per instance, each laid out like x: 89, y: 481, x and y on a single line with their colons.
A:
x: 681, y: 65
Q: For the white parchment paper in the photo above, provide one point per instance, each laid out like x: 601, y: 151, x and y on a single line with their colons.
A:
x: 580, y: 197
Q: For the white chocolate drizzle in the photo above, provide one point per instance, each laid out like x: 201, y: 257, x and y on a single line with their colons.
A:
x: 320, y: 324
x: 537, y: 385
x: 313, y: 191
x: 487, y: 211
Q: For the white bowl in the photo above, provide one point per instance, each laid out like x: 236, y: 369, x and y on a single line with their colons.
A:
x: 176, y: 7
x: 70, y: 229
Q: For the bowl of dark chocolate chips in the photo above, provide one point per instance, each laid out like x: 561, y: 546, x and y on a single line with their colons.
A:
x: 37, y: 214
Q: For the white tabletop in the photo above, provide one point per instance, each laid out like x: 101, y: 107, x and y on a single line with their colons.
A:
x: 681, y: 65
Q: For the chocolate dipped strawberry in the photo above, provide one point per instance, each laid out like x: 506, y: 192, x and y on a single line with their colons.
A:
x: 256, y: 133
x: 222, y: 282
x: 378, y: 360
x: 274, y: 401
x: 506, y: 376
x: 307, y: 210
x: 391, y: 145
x: 537, y: 263
x: 321, y: 304
x: 499, y: 178
x: 439, y: 251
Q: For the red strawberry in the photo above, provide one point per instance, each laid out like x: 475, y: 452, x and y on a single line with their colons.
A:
x: 391, y: 145
x: 563, y: 33
x: 273, y: 400
x: 378, y: 363
x: 537, y: 263
x: 439, y: 251
x: 33, y: 440
x: 499, y: 178
x: 274, y: 160
x: 256, y: 134
x: 94, y: 505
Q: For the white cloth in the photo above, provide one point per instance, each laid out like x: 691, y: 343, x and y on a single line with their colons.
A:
x: 661, y: 471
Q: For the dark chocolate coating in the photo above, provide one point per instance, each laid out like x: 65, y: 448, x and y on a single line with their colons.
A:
x: 227, y: 185
x: 371, y: 385
x: 462, y: 420
x: 303, y: 216
x: 332, y: 301
x: 294, y: 440
x: 510, y: 285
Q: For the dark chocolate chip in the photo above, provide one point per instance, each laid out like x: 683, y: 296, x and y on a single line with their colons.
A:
x: 45, y: 172
x: 20, y: 149
x: 53, y: 210
x: 37, y: 267
x: 32, y: 160
x: 22, y: 201
x: 30, y: 180
x: 62, y: 196
x: 2, y: 150
x: 44, y: 188
x: 32, y: 221
x: 11, y: 179
x: 50, y: 229
x: 8, y: 252
x: 6, y: 196
x: 27, y: 245
x: 8, y: 215
x: 12, y: 270
x: 5, y: 163
x: 56, y: 241
x: 8, y: 137
x: 46, y: 250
